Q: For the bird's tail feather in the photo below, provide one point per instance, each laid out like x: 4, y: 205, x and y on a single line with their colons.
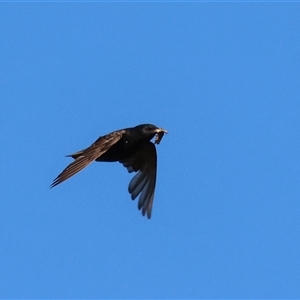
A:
x: 80, y: 162
x: 76, y: 154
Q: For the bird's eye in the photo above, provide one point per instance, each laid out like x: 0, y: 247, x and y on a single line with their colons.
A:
x: 149, y: 128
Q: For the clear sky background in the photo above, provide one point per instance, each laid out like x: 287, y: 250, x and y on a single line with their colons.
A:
x: 222, y: 78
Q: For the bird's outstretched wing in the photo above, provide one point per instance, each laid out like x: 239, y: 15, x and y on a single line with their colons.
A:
x: 84, y: 157
x: 143, y: 183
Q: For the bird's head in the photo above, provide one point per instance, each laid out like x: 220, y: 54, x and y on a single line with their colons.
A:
x: 148, y: 131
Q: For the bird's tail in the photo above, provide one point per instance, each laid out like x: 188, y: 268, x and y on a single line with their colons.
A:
x: 80, y: 162
x: 76, y: 154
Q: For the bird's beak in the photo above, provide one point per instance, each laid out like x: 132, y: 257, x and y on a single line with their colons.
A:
x: 161, y: 130
x: 159, y: 134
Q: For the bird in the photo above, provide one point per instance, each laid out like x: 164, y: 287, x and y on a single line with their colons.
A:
x: 133, y: 148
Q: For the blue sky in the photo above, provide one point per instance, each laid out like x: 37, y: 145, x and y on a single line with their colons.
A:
x: 222, y: 78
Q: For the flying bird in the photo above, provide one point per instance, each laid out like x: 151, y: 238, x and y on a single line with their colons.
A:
x: 133, y: 148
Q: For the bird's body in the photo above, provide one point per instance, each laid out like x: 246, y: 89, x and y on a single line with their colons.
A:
x: 133, y: 148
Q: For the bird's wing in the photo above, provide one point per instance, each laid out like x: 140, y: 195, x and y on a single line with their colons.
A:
x: 88, y: 155
x: 144, y: 161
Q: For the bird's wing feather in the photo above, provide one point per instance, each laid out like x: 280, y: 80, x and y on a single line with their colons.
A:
x: 85, y: 157
x: 144, y: 161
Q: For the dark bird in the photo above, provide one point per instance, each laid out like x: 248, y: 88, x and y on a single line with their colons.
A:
x: 133, y: 148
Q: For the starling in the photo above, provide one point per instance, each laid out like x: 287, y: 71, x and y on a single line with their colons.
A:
x: 133, y: 148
